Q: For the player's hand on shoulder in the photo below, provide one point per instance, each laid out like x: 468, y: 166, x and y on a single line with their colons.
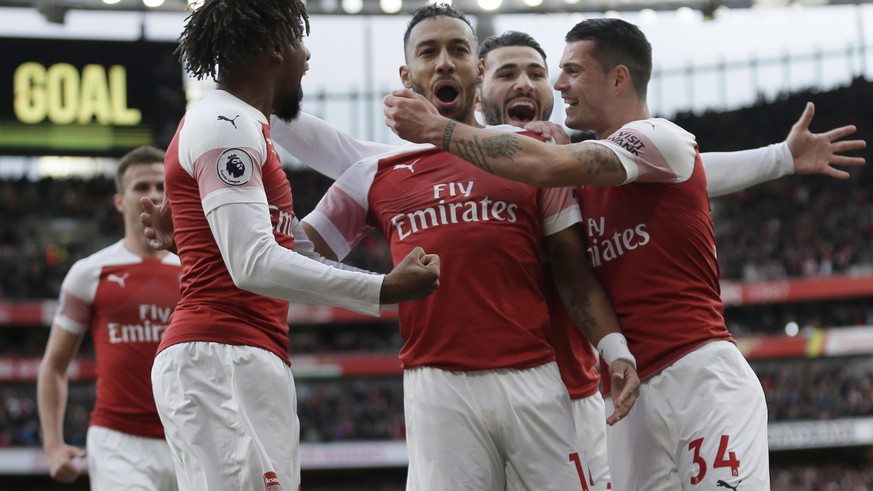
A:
x: 549, y: 130
x: 625, y: 389
x: 417, y: 276
x: 157, y: 221
x: 62, y: 467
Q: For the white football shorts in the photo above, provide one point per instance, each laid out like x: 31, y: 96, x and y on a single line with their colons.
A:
x: 589, y: 414
x: 230, y: 416
x: 701, y: 423
x: 462, y: 428
x: 119, y: 460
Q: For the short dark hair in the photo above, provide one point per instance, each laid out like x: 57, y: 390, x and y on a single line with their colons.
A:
x: 509, y: 38
x: 138, y: 156
x: 617, y: 42
x: 223, y: 32
x: 434, y: 10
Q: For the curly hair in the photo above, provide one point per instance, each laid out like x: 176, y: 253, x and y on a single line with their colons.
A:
x: 223, y: 32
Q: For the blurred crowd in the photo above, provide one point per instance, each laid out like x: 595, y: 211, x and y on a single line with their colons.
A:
x: 798, y: 226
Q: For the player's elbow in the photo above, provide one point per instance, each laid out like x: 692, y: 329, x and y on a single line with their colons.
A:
x: 247, y: 272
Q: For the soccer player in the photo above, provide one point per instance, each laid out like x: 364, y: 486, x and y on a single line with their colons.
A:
x: 480, y: 384
x: 701, y: 416
x: 222, y: 378
x: 123, y: 295
x: 515, y: 89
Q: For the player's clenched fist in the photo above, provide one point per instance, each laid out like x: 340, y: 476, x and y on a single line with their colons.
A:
x: 417, y: 276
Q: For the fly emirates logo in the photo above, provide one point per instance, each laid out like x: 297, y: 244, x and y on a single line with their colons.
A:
x: 152, y: 324
x: 453, y: 205
x: 603, y: 248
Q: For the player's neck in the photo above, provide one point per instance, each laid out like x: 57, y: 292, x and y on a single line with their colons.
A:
x: 136, y: 243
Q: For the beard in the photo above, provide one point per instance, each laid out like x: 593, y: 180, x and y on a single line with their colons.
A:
x: 288, y: 107
x: 493, y: 113
x: 461, y: 111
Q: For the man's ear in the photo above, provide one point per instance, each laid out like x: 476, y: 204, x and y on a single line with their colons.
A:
x: 118, y: 200
x: 404, y: 77
x: 481, y: 68
x: 276, y: 52
x: 622, y: 76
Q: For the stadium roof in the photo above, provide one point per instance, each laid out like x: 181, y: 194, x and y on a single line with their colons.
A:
x: 55, y: 10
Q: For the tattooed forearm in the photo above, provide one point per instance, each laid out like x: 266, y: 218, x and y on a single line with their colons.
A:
x: 479, y: 151
x: 501, y: 146
x: 471, y: 151
x: 447, y: 134
x: 582, y: 316
x: 599, y: 159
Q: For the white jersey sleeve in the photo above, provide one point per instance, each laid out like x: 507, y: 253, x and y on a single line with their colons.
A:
x: 341, y: 215
x: 227, y: 165
x: 77, y: 295
x: 560, y: 210
x: 258, y: 264
x: 321, y: 146
x: 729, y: 172
x: 304, y: 246
x: 653, y: 150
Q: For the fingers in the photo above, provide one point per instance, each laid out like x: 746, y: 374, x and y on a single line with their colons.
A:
x: 806, y: 117
x: 625, y: 390
x: 848, y: 145
x: 842, y: 131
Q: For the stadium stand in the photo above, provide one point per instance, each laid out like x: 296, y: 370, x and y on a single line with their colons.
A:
x: 795, y: 252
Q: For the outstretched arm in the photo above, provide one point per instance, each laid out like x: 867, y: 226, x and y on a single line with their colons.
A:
x: 591, y: 310
x: 321, y: 146
x: 816, y: 153
x: 803, y: 152
x: 507, y: 155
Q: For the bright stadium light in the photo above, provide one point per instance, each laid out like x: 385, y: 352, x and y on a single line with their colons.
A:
x: 152, y: 3
x: 571, y: 2
x: 391, y: 6
x: 195, y: 4
x: 111, y: 2
x: 686, y: 15
x: 533, y: 3
x: 431, y: 2
x: 352, y: 6
x: 648, y: 17
x: 490, y: 5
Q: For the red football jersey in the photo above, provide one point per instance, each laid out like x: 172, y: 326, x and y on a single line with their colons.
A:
x: 652, y: 245
x: 489, y: 311
x: 222, y: 153
x: 125, y: 301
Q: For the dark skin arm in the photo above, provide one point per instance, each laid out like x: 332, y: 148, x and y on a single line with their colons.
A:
x: 591, y: 310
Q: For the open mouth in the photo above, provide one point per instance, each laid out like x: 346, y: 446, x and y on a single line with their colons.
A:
x: 521, y: 110
x: 446, y: 91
